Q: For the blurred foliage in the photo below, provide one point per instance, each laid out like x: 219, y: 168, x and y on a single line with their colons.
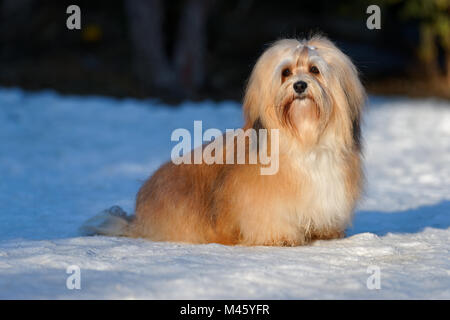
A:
x: 434, y: 23
x: 38, y: 51
x: 92, y: 33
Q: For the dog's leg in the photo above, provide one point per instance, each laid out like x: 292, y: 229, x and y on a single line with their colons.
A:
x: 327, y: 234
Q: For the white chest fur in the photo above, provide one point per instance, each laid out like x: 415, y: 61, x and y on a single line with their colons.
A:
x: 323, y: 201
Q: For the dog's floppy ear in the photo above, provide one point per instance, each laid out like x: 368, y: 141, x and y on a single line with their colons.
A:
x: 257, y: 93
x: 250, y: 105
x: 257, y: 124
x: 354, y: 91
x: 254, y: 94
x: 356, y: 98
x: 352, y: 88
x: 356, y: 132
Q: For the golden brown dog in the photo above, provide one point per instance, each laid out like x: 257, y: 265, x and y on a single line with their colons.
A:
x: 310, y: 91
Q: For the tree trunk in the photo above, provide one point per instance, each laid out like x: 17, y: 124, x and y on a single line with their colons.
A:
x: 447, y: 67
x: 190, y: 47
x: 428, y: 51
x: 145, y: 27
x: 15, y: 28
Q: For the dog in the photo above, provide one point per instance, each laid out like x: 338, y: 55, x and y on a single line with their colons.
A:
x: 309, y: 91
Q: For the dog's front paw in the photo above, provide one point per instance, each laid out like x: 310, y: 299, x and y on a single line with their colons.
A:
x: 327, y: 234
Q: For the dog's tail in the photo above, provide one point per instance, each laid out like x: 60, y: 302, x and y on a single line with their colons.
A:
x: 110, y: 222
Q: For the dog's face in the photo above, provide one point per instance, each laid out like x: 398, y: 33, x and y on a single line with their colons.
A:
x: 308, y: 89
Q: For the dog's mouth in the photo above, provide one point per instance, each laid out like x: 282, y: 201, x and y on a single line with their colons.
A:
x: 295, y: 103
x: 302, y: 97
x: 288, y: 104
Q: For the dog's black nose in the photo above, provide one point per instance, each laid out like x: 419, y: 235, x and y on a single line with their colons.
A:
x: 300, y: 86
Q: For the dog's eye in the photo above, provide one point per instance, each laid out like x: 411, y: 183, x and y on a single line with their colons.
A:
x: 286, y: 72
x: 314, y: 70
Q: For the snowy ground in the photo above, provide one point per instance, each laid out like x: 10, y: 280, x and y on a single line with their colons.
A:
x: 63, y: 159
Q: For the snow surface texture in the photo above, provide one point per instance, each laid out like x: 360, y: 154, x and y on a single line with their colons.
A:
x: 65, y: 158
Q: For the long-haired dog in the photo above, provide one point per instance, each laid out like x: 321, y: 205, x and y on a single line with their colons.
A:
x: 310, y: 91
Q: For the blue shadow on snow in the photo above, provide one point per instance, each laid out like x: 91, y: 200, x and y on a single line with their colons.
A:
x: 407, y: 221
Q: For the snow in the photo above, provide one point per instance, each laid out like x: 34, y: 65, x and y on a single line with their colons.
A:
x: 65, y: 158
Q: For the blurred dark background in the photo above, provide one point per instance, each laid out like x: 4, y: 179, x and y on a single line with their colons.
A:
x: 200, y: 49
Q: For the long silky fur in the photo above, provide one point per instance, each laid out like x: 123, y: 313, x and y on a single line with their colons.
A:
x: 314, y: 192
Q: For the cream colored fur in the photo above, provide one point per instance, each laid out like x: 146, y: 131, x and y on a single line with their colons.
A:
x: 314, y: 192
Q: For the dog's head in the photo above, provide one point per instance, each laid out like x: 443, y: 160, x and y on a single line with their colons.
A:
x: 308, y: 89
